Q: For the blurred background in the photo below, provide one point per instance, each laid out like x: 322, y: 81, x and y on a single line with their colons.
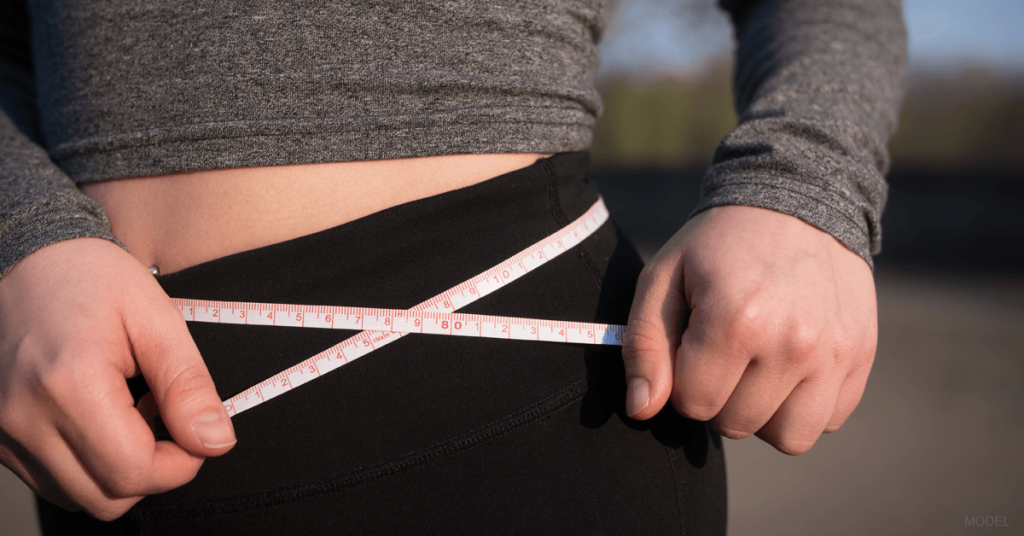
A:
x: 939, y: 434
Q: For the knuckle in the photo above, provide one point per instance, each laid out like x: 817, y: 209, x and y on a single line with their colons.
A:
x: 734, y: 427
x: 63, y: 377
x: 109, y: 510
x: 804, y: 338
x: 838, y: 419
x: 121, y: 469
x: 746, y: 320
x: 188, y: 382
x: 128, y: 481
x: 695, y: 410
x: 58, y: 383
x: 168, y: 313
x: 159, y: 325
x: 639, y: 339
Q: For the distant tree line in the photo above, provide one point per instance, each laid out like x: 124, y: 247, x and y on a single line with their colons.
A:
x: 971, y: 118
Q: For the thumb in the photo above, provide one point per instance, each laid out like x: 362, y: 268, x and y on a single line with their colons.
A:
x: 652, y: 337
x: 182, y: 388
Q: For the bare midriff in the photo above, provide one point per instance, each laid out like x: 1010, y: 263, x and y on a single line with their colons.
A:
x: 178, y: 220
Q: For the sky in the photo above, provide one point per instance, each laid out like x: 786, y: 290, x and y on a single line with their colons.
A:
x: 654, y: 36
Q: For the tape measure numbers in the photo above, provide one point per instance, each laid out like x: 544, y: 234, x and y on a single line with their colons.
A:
x: 380, y: 327
x: 399, y: 321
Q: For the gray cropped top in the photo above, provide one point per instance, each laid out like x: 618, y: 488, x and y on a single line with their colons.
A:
x: 99, y: 89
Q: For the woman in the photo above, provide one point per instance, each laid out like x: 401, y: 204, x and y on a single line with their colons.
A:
x: 376, y: 155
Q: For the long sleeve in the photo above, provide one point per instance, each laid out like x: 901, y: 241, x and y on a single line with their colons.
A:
x: 817, y: 87
x: 39, y: 203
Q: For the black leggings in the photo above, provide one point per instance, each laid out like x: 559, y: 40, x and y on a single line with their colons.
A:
x: 435, y: 434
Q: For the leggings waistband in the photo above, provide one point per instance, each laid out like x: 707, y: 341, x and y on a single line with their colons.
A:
x: 451, y: 236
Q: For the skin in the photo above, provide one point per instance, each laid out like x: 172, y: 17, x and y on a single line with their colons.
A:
x: 780, y: 338
x: 79, y: 316
x: 780, y: 328
x: 182, y: 219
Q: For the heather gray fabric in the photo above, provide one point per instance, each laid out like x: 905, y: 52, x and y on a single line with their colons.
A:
x: 118, y: 89
x: 817, y: 86
x: 39, y: 204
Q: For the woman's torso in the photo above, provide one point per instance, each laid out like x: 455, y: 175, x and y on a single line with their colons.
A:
x: 179, y: 220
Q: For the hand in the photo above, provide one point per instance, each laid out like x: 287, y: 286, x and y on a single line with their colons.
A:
x: 756, y: 321
x: 76, y: 318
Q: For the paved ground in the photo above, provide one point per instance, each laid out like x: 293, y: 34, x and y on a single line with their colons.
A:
x: 936, y: 438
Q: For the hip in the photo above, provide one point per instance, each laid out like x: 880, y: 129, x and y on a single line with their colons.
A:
x: 435, y: 433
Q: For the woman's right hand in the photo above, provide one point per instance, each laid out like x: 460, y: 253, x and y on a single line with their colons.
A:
x: 77, y: 318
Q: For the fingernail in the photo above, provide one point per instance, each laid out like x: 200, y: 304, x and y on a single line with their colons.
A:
x: 214, y: 431
x: 637, y: 396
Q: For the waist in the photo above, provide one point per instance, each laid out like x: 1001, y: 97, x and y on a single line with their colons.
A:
x: 424, y: 400
x: 179, y: 220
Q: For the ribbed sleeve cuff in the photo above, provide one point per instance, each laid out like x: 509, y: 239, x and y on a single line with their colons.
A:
x: 807, y: 202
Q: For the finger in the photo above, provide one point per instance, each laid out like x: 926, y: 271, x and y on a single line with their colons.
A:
x: 72, y: 484
x: 184, y: 392
x: 103, y: 425
x: 56, y: 472
x: 651, y: 339
x: 801, y: 419
x: 757, y: 396
x: 849, y: 396
x: 10, y: 459
x: 22, y: 465
x: 710, y: 364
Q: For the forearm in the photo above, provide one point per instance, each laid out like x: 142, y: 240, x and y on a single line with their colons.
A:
x: 817, y: 87
x: 39, y: 203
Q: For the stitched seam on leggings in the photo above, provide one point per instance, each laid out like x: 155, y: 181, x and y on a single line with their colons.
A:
x: 680, y: 490
x: 485, y: 433
x: 555, y: 201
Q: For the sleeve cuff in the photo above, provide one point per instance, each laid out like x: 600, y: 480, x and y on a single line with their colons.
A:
x: 48, y: 228
x: 798, y: 199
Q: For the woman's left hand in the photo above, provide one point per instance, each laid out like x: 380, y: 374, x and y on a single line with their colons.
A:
x: 756, y: 321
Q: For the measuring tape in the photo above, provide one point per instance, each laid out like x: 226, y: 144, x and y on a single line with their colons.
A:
x: 379, y: 327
